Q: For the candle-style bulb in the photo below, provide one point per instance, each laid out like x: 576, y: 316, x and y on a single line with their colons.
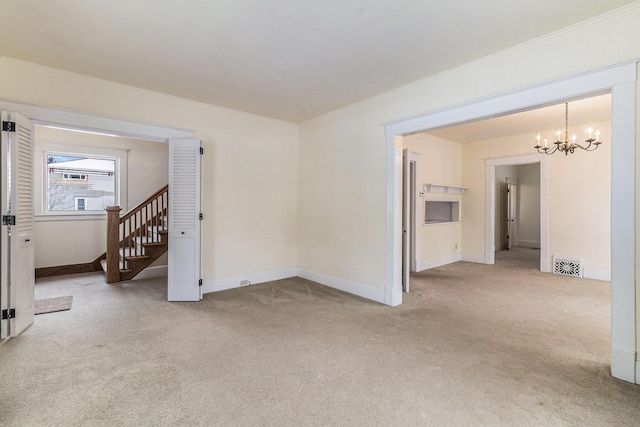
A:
x: 598, y: 135
x: 538, y: 138
x: 573, y: 138
x: 590, y: 130
x: 558, y: 133
x: 545, y: 143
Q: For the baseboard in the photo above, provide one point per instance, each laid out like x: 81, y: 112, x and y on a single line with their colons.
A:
x: 152, y: 272
x: 545, y: 266
x: 364, y: 291
x: 637, y: 371
x: 529, y: 244
x: 478, y: 259
x: 425, y: 265
x: 623, y: 364
x: 499, y: 246
x: 61, y: 270
x: 254, y: 279
x: 597, y: 274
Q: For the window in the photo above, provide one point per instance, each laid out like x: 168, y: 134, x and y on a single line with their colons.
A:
x: 80, y: 183
x: 80, y: 203
x: 74, y: 176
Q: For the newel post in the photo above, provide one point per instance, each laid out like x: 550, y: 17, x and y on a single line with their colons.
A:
x: 113, y: 244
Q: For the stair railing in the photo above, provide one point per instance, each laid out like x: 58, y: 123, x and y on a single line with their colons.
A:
x: 127, y: 234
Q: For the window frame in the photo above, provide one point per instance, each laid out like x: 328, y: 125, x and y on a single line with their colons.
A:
x: 84, y: 203
x: 120, y: 177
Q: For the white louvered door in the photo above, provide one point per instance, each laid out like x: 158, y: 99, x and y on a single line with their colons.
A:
x: 184, y: 221
x: 19, y: 203
x: 5, y: 180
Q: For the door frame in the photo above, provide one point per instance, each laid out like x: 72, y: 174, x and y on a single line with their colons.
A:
x: 490, y: 203
x: 75, y: 120
x: 413, y: 206
x: 513, y: 193
x: 620, y: 81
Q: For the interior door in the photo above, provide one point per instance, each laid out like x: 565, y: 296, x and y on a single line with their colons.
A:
x: 511, y: 214
x: 17, y: 237
x: 5, y: 179
x: 406, y: 220
x: 184, y: 220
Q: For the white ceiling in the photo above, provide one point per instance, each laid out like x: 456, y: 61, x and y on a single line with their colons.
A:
x: 288, y: 59
x: 582, y: 113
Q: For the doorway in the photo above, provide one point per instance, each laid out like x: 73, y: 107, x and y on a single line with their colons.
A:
x: 409, y: 188
x: 517, y: 225
x: 620, y: 80
x: 519, y: 214
x: 45, y: 116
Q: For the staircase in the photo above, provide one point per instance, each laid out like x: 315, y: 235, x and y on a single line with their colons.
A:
x: 137, y: 238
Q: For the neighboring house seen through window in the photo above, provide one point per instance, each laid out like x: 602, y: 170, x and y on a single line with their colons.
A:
x: 80, y: 183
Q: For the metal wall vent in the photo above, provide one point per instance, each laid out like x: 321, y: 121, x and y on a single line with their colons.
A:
x: 567, y: 266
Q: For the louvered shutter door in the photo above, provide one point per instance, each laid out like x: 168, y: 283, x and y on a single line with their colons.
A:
x: 184, y: 222
x: 22, y: 273
x: 4, y: 231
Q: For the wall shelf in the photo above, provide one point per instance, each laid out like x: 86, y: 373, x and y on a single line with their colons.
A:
x: 443, y: 189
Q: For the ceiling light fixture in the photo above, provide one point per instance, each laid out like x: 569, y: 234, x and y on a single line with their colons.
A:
x: 567, y: 146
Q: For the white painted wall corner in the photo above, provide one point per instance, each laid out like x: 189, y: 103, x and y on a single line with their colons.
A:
x: 359, y: 289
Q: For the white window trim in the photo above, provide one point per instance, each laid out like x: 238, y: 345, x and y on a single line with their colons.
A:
x: 44, y: 149
x: 84, y: 200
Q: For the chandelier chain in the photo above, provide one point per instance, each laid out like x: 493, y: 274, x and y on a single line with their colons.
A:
x: 566, y: 122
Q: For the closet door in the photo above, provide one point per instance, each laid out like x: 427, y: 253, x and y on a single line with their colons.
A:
x: 184, y: 220
x: 17, y: 235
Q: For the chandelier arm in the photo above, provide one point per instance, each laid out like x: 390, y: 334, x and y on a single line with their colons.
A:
x: 590, y: 147
x: 547, y: 151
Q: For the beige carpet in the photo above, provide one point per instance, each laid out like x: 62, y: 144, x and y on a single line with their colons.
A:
x: 52, y: 305
x: 472, y: 345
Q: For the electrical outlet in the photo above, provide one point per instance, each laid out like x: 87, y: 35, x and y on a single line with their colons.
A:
x: 244, y: 283
x: 456, y: 246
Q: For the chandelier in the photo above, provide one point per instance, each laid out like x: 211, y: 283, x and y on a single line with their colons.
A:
x: 567, y: 146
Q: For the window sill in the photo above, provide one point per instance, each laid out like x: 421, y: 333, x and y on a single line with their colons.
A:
x: 71, y: 217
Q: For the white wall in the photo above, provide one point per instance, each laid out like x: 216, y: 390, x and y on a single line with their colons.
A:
x: 439, y: 163
x: 250, y: 163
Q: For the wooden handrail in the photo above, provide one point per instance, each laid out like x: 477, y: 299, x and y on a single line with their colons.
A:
x: 126, y: 235
x: 146, y: 202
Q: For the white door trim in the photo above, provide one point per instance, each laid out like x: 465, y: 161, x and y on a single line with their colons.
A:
x: 620, y: 80
x: 76, y: 120
x: 490, y: 203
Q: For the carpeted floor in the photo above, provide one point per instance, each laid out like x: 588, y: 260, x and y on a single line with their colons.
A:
x: 471, y: 345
